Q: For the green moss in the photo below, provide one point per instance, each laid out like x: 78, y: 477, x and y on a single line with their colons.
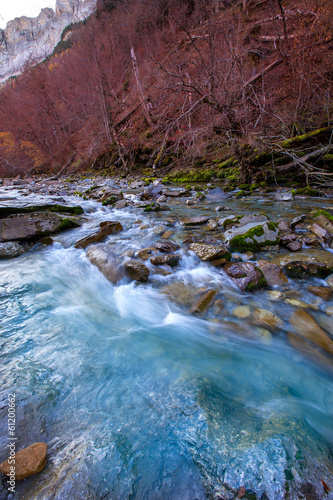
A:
x: 67, y: 224
x: 200, y: 195
x: 316, y: 213
x: 188, y: 187
x: 110, y: 201
x: 254, y: 186
x: 153, y: 207
x: 307, y: 191
x: 272, y: 226
x: 240, y: 193
x: 247, y: 241
x: 244, y: 186
x: 227, y: 163
x: 304, y: 137
x: 262, y: 283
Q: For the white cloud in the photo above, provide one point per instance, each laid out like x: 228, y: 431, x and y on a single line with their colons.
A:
x: 9, y: 9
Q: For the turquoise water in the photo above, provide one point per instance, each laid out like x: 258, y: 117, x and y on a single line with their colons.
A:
x: 138, y: 399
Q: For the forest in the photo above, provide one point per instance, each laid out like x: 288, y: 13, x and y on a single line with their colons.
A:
x: 145, y: 86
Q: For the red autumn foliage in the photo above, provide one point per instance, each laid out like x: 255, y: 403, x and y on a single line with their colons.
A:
x: 142, y: 77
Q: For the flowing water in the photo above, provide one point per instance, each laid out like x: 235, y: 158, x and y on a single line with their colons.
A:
x: 139, y: 399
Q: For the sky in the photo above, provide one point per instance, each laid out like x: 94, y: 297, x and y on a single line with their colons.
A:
x: 9, y: 9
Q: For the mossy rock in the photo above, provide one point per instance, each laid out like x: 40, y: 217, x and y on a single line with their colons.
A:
x: 7, y: 211
x: 252, y: 238
x: 312, y: 137
x: 316, y: 213
x: 307, y: 191
x: 110, y: 201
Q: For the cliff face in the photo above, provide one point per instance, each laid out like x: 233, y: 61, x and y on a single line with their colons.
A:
x: 28, y: 39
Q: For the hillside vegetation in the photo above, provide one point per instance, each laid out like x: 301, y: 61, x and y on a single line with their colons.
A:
x: 239, y: 90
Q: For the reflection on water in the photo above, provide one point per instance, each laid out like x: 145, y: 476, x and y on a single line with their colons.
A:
x: 138, y: 399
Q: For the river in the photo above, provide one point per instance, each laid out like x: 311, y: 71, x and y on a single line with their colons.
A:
x: 139, y: 399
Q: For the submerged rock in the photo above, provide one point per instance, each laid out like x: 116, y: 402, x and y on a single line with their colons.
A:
x: 10, y: 250
x: 321, y: 291
x: 284, y: 196
x: 306, y: 327
x: 263, y: 317
x: 107, y: 228
x: 137, y: 270
x: 28, y: 462
x: 246, y: 276
x: 207, y: 252
x: 204, y: 301
x: 309, y: 262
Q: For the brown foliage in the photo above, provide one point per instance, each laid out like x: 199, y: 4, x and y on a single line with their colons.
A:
x: 206, y: 73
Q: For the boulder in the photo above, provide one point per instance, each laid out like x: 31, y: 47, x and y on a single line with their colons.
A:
x: 176, y: 193
x: 252, y: 236
x: 204, y: 301
x: 283, y: 226
x: 107, y: 228
x: 207, y: 252
x: 166, y: 246
x: 308, y: 262
x: 194, y: 221
x: 28, y: 462
x: 10, y: 250
x: 246, y: 276
x: 295, y: 245
x: 168, y: 259
x: 136, y: 270
x: 152, y: 191
x: 307, y: 328
x: 297, y: 220
x: 284, y: 196
x: 32, y: 226
x: 144, y: 253
x: 122, y: 204
x: 263, y: 317
x: 273, y: 274
x: 106, y: 262
x: 321, y: 232
x: 183, y: 294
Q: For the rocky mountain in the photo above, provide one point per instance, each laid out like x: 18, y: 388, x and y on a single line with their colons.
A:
x: 26, y: 39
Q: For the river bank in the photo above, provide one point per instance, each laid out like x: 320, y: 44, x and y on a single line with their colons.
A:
x: 179, y: 337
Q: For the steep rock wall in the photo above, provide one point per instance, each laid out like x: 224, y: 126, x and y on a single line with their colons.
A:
x: 29, y: 40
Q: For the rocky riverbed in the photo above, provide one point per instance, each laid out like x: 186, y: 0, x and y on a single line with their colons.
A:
x: 227, y: 298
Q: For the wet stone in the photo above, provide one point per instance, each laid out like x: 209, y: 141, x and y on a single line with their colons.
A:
x: 166, y: 246
x: 10, y: 250
x: 107, y: 228
x: 194, y: 221
x: 204, y: 301
x: 169, y: 259
x: 297, y: 220
x: 306, y: 327
x: 321, y: 291
x: 136, y: 270
x: 263, y: 317
x: 28, y: 462
x: 207, y: 252
x: 246, y: 276
x: 272, y: 273
x: 294, y: 246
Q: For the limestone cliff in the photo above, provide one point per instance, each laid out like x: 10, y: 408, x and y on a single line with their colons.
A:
x: 29, y: 40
